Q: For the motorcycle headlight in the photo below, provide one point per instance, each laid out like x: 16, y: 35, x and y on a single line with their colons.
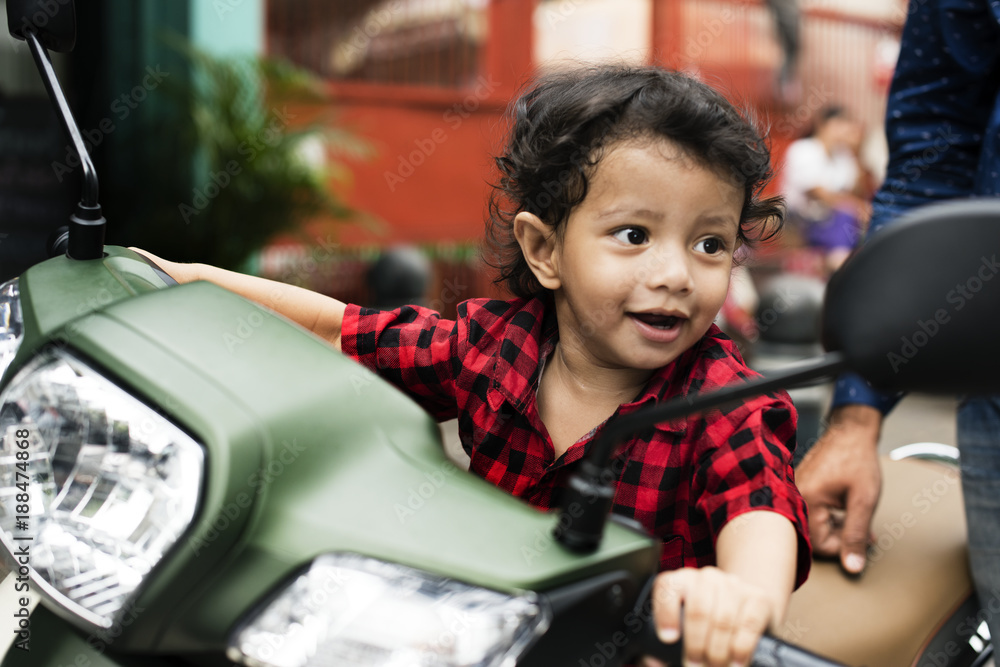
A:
x: 94, y: 485
x: 351, y: 610
x: 11, y: 322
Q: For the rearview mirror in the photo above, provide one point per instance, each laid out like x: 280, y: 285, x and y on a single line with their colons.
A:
x: 54, y: 21
x: 917, y: 308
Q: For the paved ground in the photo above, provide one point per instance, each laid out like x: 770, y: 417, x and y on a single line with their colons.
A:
x: 452, y: 446
x: 920, y: 418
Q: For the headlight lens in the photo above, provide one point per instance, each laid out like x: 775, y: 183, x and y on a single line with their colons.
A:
x: 93, y: 482
x: 352, y: 610
x: 11, y: 322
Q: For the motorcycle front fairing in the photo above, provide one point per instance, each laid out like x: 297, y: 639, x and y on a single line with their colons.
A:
x: 306, y: 454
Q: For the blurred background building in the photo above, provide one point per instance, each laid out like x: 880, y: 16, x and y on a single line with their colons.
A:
x: 419, y: 88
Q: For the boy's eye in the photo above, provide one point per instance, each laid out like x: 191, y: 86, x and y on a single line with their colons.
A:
x: 631, y: 235
x: 710, y: 246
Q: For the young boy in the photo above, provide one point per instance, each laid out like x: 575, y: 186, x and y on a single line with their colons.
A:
x: 623, y: 193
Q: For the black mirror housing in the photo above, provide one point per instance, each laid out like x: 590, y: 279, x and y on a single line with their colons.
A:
x: 54, y: 21
x: 917, y: 308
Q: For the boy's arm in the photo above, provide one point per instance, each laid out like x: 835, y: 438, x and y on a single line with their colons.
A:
x: 320, y: 314
x: 761, y: 548
x: 727, y: 609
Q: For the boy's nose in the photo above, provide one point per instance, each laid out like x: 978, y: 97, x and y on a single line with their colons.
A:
x: 671, y: 271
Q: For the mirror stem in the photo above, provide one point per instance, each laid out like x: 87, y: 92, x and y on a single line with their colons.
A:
x: 86, y: 229
x: 591, y: 490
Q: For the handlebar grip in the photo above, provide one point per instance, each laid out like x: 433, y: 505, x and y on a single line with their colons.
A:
x: 650, y: 644
x: 770, y: 652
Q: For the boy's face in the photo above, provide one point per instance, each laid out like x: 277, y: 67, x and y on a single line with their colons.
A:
x: 643, y: 263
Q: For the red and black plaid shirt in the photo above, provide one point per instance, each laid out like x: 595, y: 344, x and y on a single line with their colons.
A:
x: 682, y: 480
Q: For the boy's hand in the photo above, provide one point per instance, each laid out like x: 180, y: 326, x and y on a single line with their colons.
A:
x: 723, y: 616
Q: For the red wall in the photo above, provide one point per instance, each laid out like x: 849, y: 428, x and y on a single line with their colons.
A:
x: 428, y: 179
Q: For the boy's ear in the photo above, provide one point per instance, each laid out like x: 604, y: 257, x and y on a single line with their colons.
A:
x: 538, y: 245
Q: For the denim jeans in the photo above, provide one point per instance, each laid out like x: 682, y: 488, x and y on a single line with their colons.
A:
x: 979, y: 445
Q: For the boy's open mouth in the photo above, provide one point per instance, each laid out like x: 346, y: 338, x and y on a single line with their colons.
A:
x: 659, y: 321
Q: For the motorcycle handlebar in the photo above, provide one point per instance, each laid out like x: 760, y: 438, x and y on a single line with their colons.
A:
x: 770, y: 652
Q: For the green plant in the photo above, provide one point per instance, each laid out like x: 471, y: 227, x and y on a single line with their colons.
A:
x: 237, y: 161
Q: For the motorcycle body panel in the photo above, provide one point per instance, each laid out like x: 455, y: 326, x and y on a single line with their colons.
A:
x: 60, y: 292
x: 64, y: 646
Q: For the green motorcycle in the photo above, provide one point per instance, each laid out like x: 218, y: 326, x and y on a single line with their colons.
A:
x: 186, y: 478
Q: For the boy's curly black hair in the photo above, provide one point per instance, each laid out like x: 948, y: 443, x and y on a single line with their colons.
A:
x: 560, y: 127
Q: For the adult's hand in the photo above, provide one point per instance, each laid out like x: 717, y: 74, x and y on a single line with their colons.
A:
x: 840, y: 480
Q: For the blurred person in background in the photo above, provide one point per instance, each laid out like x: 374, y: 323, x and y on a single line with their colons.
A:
x: 821, y: 181
x: 943, y: 129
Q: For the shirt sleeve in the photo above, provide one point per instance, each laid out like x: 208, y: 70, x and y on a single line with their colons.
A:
x: 411, y: 347
x: 744, y: 465
x: 852, y: 389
